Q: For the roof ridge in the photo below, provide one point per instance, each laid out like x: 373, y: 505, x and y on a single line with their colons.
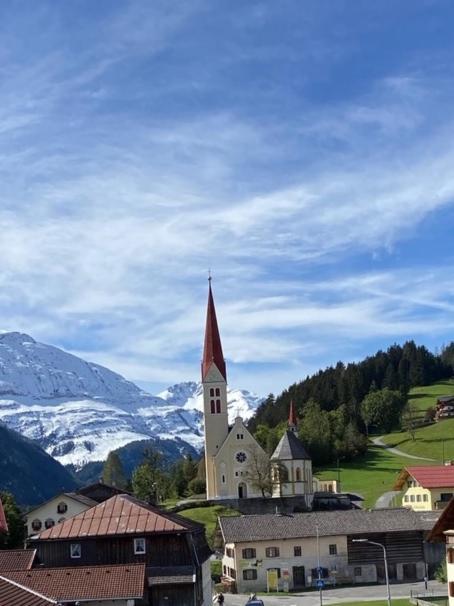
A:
x: 27, y: 589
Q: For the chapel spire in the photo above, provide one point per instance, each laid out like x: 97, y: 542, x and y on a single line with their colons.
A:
x: 212, y: 349
x: 292, y: 420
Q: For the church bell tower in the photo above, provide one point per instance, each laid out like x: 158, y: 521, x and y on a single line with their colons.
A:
x: 214, y: 382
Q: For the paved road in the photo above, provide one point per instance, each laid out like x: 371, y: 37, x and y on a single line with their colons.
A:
x: 396, y: 451
x: 334, y: 596
x: 386, y: 499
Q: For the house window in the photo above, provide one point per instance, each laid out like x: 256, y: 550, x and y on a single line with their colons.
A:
x: 212, y: 407
x: 223, y: 478
x: 418, y: 498
x: 249, y: 553
x: 425, y: 498
x: 239, y: 436
x: 412, y: 498
x: 139, y: 546
x: 272, y: 552
x: 212, y: 392
x: 297, y: 551
x: 62, y: 507
x: 232, y: 573
x: 36, y: 524
x: 406, y: 498
x: 298, y: 474
x: 224, y: 569
x: 450, y: 555
x: 249, y: 574
x: 229, y: 552
x: 357, y: 571
x: 445, y: 496
x: 218, y: 406
x: 333, y: 550
x: 218, y: 391
x: 49, y: 523
x: 451, y: 589
x: 75, y: 550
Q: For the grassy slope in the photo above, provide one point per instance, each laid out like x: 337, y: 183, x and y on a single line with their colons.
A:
x: 370, y: 475
x: 208, y: 516
x: 430, y: 440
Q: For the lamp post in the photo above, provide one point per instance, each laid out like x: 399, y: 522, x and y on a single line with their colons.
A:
x: 386, y: 563
x: 318, y: 566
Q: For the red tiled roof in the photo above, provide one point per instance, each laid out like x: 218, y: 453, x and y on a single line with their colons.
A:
x: 16, y: 559
x: 212, y: 349
x: 12, y: 594
x: 119, y: 515
x: 3, y: 522
x: 126, y: 581
x: 435, y: 476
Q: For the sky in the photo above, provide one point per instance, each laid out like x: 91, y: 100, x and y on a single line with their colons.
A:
x: 302, y: 150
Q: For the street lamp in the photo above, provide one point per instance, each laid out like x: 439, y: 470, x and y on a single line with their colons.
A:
x: 386, y: 563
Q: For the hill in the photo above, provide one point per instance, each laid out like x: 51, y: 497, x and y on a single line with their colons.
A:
x: 26, y: 471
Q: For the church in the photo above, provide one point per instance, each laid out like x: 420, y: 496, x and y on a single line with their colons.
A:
x: 232, y: 454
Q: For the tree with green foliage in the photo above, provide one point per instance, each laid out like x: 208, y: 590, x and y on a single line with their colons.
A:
x: 113, y: 473
x: 149, y: 482
x: 16, y: 528
x: 315, y: 432
x: 410, y: 420
x: 383, y: 409
x: 268, y: 437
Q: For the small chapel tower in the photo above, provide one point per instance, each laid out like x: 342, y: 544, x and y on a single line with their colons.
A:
x: 214, y: 382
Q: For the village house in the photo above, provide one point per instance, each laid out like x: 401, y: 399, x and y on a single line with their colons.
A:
x: 427, y: 487
x: 124, y: 530
x: 66, y: 505
x: 444, y: 531
x: 444, y: 408
x: 286, y: 548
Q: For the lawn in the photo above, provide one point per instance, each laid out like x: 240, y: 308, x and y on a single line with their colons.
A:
x: 208, y: 516
x: 370, y: 475
x: 426, y: 396
x: 403, y: 602
x: 430, y: 441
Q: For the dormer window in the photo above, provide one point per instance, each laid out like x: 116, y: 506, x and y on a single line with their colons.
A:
x: 75, y: 550
x: 139, y: 546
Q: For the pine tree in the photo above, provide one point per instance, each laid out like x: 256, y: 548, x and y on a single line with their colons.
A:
x: 16, y: 529
x: 113, y: 473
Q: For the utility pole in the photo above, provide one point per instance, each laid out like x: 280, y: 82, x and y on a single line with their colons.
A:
x: 319, y: 569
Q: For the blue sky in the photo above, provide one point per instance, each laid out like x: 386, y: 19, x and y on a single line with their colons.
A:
x: 302, y: 150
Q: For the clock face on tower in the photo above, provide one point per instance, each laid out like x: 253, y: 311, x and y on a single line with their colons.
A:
x: 241, y: 457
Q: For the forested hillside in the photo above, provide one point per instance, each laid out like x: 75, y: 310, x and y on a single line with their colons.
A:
x: 337, y: 404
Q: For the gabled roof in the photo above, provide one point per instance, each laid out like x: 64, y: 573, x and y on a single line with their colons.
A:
x: 16, y: 559
x: 428, y: 476
x: 125, y: 581
x: 330, y: 523
x: 212, y: 349
x: 3, y: 522
x: 13, y: 594
x: 99, y: 491
x: 74, y: 496
x: 445, y: 522
x: 119, y: 515
x: 289, y: 448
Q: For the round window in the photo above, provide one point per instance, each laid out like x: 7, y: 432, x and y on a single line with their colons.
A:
x: 241, y: 457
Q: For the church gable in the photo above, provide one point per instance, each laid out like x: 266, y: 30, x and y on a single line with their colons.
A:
x: 213, y: 374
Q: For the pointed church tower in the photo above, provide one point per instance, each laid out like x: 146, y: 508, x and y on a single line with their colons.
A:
x: 292, y: 420
x: 214, y: 382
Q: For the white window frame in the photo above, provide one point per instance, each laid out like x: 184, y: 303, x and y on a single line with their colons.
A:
x: 74, y: 549
x: 140, y: 550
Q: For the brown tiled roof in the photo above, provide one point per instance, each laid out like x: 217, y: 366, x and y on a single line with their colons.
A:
x: 3, y: 523
x: 12, y: 594
x: 330, y: 523
x: 16, y: 559
x: 84, y: 583
x: 119, y: 515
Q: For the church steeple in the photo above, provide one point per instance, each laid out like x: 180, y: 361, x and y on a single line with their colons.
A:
x: 292, y: 420
x: 212, y: 349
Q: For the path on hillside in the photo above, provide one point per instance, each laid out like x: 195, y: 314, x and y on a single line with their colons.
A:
x: 386, y: 499
x: 379, y: 442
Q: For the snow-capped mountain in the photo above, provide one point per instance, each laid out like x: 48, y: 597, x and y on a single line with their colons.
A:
x: 79, y: 411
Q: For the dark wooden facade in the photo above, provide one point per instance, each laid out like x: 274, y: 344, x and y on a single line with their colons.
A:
x: 400, y: 547
x: 173, y: 552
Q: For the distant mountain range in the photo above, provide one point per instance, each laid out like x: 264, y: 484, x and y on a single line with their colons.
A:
x: 79, y: 411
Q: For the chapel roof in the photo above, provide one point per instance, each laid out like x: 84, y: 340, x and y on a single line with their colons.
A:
x: 290, y: 448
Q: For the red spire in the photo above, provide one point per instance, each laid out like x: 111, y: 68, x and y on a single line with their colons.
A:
x: 212, y: 349
x: 292, y: 420
x: 3, y: 523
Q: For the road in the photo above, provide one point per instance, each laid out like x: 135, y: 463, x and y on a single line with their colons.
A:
x: 396, y: 451
x: 386, y: 499
x: 348, y: 594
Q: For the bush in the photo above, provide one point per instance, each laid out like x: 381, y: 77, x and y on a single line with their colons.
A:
x: 197, y: 486
x: 441, y: 574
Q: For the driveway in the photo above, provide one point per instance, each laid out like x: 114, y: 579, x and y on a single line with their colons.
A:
x: 348, y: 594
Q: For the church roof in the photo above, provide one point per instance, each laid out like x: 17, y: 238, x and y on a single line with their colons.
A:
x: 290, y: 448
x: 212, y: 349
x: 292, y: 420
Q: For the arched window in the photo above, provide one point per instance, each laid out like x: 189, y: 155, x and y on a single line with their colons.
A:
x: 298, y: 474
x: 218, y: 391
x: 218, y: 406
x: 49, y: 523
x: 62, y: 507
x: 36, y: 524
x: 212, y: 406
x: 211, y: 391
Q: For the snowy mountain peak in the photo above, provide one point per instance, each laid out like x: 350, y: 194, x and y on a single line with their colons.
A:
x: 79, y: 411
